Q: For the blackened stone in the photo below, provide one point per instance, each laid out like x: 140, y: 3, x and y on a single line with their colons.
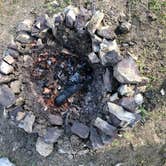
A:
x: 128, y: 103
x: 52, y: 135
x: 105, y: 126
x: 7, y: 97
x: 80, y: 129
x: 95, y: 138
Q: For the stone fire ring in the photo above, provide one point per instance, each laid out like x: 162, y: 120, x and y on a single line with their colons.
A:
x: 95, y: 106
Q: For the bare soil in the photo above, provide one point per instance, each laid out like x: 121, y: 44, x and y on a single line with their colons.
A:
x: 142, y: 146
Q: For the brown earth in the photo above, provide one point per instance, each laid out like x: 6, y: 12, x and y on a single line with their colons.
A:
x: 142, y: 146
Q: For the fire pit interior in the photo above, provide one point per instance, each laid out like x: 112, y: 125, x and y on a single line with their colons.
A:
x: 71, y: 81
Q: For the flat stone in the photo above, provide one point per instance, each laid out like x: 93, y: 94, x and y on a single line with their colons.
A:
x: 104, y: 126
x: 55, y: 119
x: 15, y: 86
x: 7, y: 97
x: 27, y: 122
x: 109, y: 53
x: 93, y: 58
x: 24, y: 38
x: 43, y: 148
x: 128, y: 103
x: 52, y: 135
x: 25, y: 25
x: 95, y: 139
x: 106, y: 32
x: 120, y: 113
x: 9, y: 59
x: 80, y: 129
x: 125, y: 90
x: 5, y: 162
x: 126, y: 71
x: 95, y: 22
x: 5, y: 68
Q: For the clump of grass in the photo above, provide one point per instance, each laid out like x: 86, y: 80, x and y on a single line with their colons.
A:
x: 144, y: 113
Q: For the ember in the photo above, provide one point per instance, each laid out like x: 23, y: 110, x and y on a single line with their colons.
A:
x: 70, y: 81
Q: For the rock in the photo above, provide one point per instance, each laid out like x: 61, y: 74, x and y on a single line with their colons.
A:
x: 25, y: 25
x: 113, y: 120
x: 96, y: 41
x: 162, y: 91
x: 126, y: 71
x: 5, y: 68
x: 15, y: 86
x: 95, y: 22
x: 106, y: 32
x: 9, y: 59
x: 128, y: 103
x: 52, y: 135
x: 138, y: 99
x: 55, y: 119
x: 7, y: 97
x: 107, y: 80
x: 5, y: 162
x: 43, y: 148
x: 93, y: 58
x: 4, y: 79
x: 109, y: 53
x: 106, y: 139
x: 124, y: 28
x: 71, y: 13
x: 80, y: 129
x: 95, y: 139
x: 11, y: 52
x: 114, y: 97
x: 58, y: 18
x: 125, y: 90
x: 104, y: 126
x: 20, y: 116
x: 120, y: 113
x: 24, y: 38
x: 27, y: 122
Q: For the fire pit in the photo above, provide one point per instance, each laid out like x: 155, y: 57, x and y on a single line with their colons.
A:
x: 65, y: 78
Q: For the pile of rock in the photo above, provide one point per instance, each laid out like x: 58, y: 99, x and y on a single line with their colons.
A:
x: 121, y: 107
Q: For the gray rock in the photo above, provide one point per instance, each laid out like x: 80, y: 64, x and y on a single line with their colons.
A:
x: 124, y: 27
x: 9, y: 59
x: 55, y: 119
x: 95, y: 139
x: 107, y: 80
x: 96, y: 41
x: 43, y: 148
x: 95, y: 22
x: 120, y: 113
x: 25, y: 25
x: 11, y: 52
x: 24, y: 38
x: 93, y: 58
x: 104, y: 126
x: 27, y: 122
x: 106, y: 139
x: 52, y: 135
x: 80, y: 129
x: 138, y: 99
x: 58, y: 18
x: 114, y: 97
x: 7, y: 97
x: 15, y: 86
x: 106, y: 32
x: 125, y: 90
x: 109, y: 53
x: 5, y: 68
x: 126, y: 71
x: 5, y: 162
x: 128, y: 103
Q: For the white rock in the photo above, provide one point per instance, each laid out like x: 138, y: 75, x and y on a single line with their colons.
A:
x: 138, y: 99
x: 120, y: 113
x: 93, y: 58
x: 9, y: 59
x: 27, y: 122
x: 5, y: 162
x: 114, y: 97
x: 162, y: 92
x: 5, y: 68
x: 43, y: 148
x: 15, y: 86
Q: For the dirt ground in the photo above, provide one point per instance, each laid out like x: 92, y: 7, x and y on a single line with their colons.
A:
x: 142, y: 146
